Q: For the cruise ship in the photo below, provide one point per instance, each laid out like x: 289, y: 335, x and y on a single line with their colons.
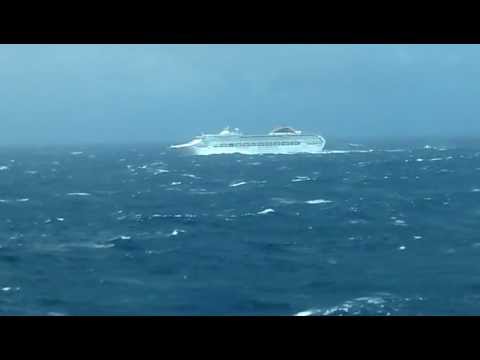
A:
x: 282, y: 140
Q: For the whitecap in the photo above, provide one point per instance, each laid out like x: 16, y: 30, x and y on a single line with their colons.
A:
x: 60, y: 219
x: 266, y: 211
x: 23, y: 200
x: 337, y: 151
x: 371, y: 300
x: 306, y: 312
x: 238, y: 184
x: 318, y: 201
x: 301, y: 178
x: 64, y: 247
x: 78, y: 194
x: 401, y: 247
x: 381, y: 304
x: 9, y: 288
x: 417, y: 237
x: 476, y: 190
x: 120, y: 237
x: 176, y: 183
x: 202, y: 192
x: 175, y: 232
x: 400, y: 223
x: 419, y: 160
x: 3, y: 168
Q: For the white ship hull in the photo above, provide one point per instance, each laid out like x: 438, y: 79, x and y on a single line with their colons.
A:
x: 310, y: 149
x: 234, y: 143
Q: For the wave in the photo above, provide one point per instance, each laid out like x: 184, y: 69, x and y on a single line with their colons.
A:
x: 201, y: 192
x: 10, y: 288
x: 383, y: 304
x: 190, y: 176
x: 266, y: 211
x: 175, y: 232
x: 301, y: 178
x: 189, y: 144
x: 318, y: 201
x: 399, y: 222
x: 238, y: 184
x: 346, y: 151
x: 438, y: 148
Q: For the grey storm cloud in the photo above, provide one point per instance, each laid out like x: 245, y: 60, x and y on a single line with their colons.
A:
x: 166, y: 93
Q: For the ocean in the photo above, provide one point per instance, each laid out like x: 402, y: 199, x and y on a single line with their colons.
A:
x: 140, y: 230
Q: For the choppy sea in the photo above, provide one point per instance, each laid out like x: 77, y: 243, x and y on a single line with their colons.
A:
x: 140, y: 230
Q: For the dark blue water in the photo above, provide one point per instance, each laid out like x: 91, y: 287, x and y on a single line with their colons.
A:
x: 123, y: 230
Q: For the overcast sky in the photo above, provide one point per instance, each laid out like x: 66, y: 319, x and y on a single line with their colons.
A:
x: 168, y: 93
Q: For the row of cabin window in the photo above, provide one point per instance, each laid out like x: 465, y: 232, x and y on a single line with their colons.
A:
x: 279, y: 143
